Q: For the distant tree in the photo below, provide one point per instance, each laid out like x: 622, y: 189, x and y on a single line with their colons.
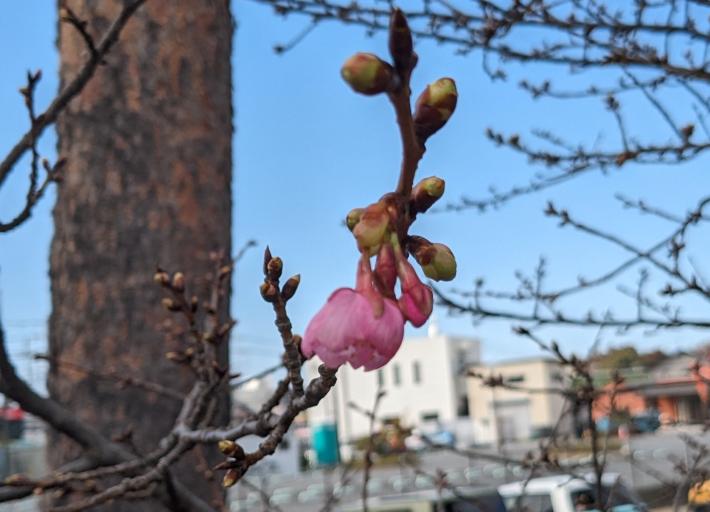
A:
x: 617, y: 358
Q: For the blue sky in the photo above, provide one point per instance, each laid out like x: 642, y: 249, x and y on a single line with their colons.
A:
x: 308, y: 149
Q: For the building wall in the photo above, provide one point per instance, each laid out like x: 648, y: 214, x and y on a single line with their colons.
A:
x: 518, y: 414
x: 437, y: 392
x: 631, y: 401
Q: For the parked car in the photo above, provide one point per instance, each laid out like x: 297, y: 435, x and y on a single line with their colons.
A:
x: 566, y: 493
x: 466, y: 499
x: 643, y: 423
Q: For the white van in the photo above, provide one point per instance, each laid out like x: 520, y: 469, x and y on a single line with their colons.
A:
x: 567, y: 493
x: 466, y: 499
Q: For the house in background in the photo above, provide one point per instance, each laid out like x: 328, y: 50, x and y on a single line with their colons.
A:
x: 499, y: 414
x: 425, y: 387
x: 670, y: 387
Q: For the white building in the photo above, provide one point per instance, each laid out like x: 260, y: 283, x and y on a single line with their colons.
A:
x: 425, y: 387
x: 500, y: 414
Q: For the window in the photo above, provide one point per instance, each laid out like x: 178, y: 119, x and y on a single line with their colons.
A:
x: 380, y: 378
x: 462, y: 407
x: 515, y: 378
x: 417, y: 372
x: 397, y: 377
x: 430, y: 416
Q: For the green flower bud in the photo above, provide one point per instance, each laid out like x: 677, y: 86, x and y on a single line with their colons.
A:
x: 367, y: 74
x: 442, y: 264
x: 371, y: 229
x: 353, y: 217
x: 434, y: 107
x: 426, y: 193
x: 437, y: 260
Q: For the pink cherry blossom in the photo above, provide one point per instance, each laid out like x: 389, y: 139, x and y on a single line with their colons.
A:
x: 357, y: 326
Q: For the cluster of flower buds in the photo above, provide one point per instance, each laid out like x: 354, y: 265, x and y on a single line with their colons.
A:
x: 234, y: 463
x: 270, y: 288
x: 368, y: 74
x: 364, y: 326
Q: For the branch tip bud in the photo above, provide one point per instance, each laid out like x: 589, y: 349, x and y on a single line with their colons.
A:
x: 290, y: 287
x: 426, y: 193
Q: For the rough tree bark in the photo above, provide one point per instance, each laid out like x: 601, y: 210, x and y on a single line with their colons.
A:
x: 148, y: 182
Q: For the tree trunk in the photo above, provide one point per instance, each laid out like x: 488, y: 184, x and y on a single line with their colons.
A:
x: 148, y: 182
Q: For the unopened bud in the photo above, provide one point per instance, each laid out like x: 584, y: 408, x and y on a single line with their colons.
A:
x: 367, y: 74
x: 178, y: 281
x: 170, y: 304
x: 353, y: 217
x: 434, y: 107
x: 386, y: 270
x: 161, y: 277
x: 426, y: 193
x: 274, y: 267
x: 16, y: 479
x: 268, y: 291
x: 290, y: 287
x: 228, y: 447
x: 230, y: 478
x: 372, y: 228
x: 437, y: 260
x: 267, y: 258
x: 400, y: 41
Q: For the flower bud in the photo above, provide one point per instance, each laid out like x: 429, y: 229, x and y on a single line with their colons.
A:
x: 426, y: 193
x: 417, y: 300
x: 161, y: 277
x: 290, y: 287
x: 268, y: 291
x: 170, y: 304
x: 231, y: 449
x: 17, y: 479
x: 437, y: 260
x: 178, y: 281
x: 386, y: 270
x: 230, y: 478
x: 267, y: 259
x: 400, y: 41
x: 367, y: 74
x: 434, y: 107
x: 274, y: 267
x: 372, y: 227
x: 353, y: 217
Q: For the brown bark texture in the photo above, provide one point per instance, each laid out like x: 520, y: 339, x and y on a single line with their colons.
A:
x: 148, y: 182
